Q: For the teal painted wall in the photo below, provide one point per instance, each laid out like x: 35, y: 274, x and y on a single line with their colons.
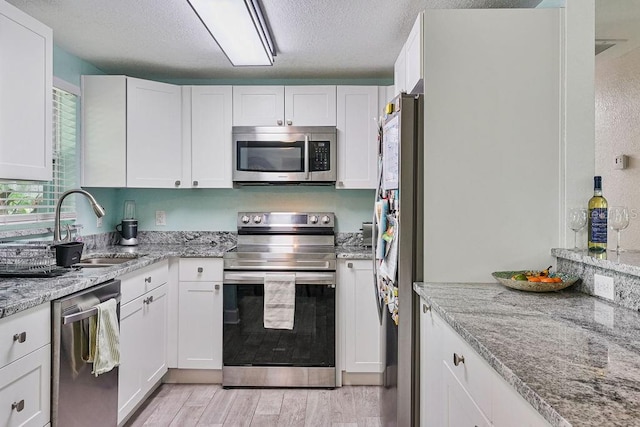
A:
x: 213, y: 209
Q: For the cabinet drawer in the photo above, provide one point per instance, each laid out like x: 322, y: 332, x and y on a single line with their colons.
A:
x: 24, y: 332
x: 200, y: 270
x: 24, y: 390
x: 140, y: 281
x: 474, y: 374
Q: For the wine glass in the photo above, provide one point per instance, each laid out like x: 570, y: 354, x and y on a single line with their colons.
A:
x: 577, y: 218
x: 618, y: 221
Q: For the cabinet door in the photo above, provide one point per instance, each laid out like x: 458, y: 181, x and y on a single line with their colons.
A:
x: 400, y: 72
x: 154, y: 336
x: 25, y: 390
x: 26, y: 55
x: 310, y: 105
x: 431, y: 399
x: 132, y: 351
x: 360, y: 324
x: 460, y: 409
x: 357, y: 110
x: 258, y: 105
x: 200, y: 325
x: 104, y: 131
x: 154, y: 134
x: 211, y: 136
x: 413, y: 54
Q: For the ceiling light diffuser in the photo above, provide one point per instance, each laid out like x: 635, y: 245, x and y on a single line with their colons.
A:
x: 239, y: 28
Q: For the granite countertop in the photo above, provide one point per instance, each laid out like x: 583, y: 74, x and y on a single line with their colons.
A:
x: 20, y: 294
x: 627, y: 262
x: 574, y: 357
x: 354, y: 252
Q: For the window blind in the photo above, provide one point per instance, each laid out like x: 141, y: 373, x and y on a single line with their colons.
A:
x: 33, y: 201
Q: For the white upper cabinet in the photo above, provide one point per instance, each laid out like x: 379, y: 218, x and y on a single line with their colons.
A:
x: 310, y: 105
x: 357, y: 110
x: 132, y: 133
x: 104, y: 131
x: 408, y: 72
x: 210, y: 136
x: 154, y: 134
x: 284, y: 106
x: 413, y: 53
x: 26, y: 55
x: 258, y: 105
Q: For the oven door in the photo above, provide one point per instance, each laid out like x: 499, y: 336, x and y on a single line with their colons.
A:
x: 311, y: 342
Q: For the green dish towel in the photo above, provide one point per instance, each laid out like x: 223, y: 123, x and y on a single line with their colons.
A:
x: 104, y: 338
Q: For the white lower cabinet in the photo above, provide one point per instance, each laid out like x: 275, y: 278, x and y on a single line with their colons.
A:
x: 200, y: 313
x: 459, y: 388
x: 358, y: 322
x: 143, y: 340
x: 25, y: 368
x: 24, y: 390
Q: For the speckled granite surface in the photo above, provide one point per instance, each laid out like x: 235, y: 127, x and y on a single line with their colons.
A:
x: 353, y: 252
x: 574, y: 357
x: 623, y: 268
x: 20, y: 294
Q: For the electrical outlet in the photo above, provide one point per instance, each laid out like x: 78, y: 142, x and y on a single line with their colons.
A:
x: 603, y: 286
x: 622, y: 162
x: 161, y: 218
x: 98, y: 222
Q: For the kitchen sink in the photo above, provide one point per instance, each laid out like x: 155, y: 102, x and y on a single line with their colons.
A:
x: 100, y: 262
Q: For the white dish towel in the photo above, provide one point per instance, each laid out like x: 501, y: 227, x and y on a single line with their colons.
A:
x: 279, y: 300
x: 104, y: 338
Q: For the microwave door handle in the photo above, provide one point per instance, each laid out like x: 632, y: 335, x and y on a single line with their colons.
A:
x: 306, y: 157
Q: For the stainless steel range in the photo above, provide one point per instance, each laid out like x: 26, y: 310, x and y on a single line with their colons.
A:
x: 296, y: 250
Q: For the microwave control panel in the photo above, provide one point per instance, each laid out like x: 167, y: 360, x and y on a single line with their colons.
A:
x: 319, y: 154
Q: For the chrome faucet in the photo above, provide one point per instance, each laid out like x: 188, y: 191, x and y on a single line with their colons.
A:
x: 99, y: 211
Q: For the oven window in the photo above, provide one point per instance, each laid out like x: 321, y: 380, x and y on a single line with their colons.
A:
x: 270, y: 156
x: 311, y: 342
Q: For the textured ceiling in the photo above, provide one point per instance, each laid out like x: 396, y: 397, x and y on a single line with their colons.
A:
x: 164, y: 39
x: 617, y: 25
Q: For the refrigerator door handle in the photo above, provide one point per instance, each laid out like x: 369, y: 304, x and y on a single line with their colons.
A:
x: 306, y: 157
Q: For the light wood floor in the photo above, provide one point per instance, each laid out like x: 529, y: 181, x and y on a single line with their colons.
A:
x: 183, y: 405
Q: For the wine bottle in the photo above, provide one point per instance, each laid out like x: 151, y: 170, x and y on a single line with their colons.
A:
x: 597, y: 218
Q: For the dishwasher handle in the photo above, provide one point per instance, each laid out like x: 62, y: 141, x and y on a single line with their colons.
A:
x: 76, y: 317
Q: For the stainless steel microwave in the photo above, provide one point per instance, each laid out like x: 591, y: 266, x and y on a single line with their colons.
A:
x: 284, y: 155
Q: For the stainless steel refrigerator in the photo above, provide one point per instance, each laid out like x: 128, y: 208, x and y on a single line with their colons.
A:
x: 398, y: 232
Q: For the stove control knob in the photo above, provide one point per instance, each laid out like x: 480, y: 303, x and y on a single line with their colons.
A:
x: 313, y: 219
x: 245, y: 219
x: 257, y: 219
x: 326, y: 219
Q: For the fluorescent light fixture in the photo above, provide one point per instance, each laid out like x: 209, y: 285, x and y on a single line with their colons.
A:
x: 239, y: 28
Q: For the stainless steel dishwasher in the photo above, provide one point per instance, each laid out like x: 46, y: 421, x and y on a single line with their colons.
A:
x: 78, y: 398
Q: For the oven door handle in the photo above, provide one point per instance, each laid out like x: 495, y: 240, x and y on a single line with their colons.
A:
x: 257, y: 277
x: 307, y: 160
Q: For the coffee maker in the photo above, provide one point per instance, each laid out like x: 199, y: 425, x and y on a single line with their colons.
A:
x: 128, y: 228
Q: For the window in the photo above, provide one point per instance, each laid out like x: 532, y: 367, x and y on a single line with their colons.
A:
x: 32, y: 201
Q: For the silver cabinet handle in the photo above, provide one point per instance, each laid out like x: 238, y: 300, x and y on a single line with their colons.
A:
x: 195, y: 183
x: 147, y: 279
x: 178, y: 183
x: 21, y: 337
x: 457, y: 359
x: 18, y: 406
x: 307, y: 160
x: 289, y: 122
x: 200, y: 269
x: 425, y: 308
x: 279, y: 122
x: 349, y: 265
x: 217, y: 287
x: 148, y: 300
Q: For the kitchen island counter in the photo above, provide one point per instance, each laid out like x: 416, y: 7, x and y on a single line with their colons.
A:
x: 573, y: 357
